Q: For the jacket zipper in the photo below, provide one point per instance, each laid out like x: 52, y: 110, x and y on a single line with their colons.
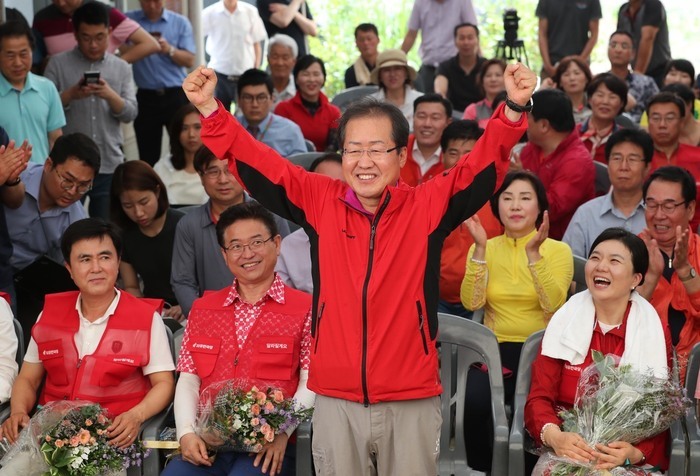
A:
x: 420, y: 327
x: 370, y: 261
x: 318, y: 326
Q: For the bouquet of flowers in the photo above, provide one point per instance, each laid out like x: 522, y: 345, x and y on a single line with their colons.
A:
x: 67, y: 438
x: 235, y: 418
x: 615, y: 403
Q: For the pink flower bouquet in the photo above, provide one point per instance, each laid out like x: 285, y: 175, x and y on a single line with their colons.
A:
x: 232, y: 418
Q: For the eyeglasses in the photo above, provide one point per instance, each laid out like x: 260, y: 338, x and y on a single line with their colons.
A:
x: 236, y: 249
x: 214, y: 173
x: 667, y: 206
x: 260, y: 98
x: 68, y: 184
x: 373, y: 154
x: 630, y: 159
x: 624, y: 46
x: 658, y: 118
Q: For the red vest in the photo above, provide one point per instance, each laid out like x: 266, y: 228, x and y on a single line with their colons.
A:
x: 270, y: 356
x: 112, y: 375
x: 410, y: 172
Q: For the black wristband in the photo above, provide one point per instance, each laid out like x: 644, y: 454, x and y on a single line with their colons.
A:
x: 13, y: 184
x: 517, y: 107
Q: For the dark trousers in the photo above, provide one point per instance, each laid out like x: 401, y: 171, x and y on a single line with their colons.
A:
x: 226, y: 89
x: 230, y: 464
x: 478, y: 422
x: 425, y: 81
x: 156, y: 109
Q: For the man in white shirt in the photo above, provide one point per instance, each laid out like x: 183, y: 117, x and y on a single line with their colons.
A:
x: 234, y: 32
x: 282, y: 53
x: 97, y: 344
x: 8, y: 349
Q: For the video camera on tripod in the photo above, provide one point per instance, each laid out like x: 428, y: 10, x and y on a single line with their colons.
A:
x: 511, y: 47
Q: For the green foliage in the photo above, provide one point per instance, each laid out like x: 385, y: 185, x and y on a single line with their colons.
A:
x: 338, y: 18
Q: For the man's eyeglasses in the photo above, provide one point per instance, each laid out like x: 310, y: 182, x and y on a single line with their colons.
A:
x: 658, y: 118
x: 236, y: 249
x: 68, y: 184
x: 260, y: 98
x: 215, y: 172
x: 667, y: 206
x: 630, y: 159
x: 373, y: 154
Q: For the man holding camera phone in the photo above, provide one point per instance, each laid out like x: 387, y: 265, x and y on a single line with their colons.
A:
x: 97, y: 93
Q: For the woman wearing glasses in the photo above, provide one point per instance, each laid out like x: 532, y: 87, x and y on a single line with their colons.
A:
x: 139, y: 205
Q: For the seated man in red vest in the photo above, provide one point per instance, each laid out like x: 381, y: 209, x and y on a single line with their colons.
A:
x: 235, y: 333
x: 98, y: 344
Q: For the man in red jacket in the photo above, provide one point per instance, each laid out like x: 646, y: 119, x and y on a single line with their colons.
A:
x: 375, y: 248
x: 99, y: 344
x: 556, y: 154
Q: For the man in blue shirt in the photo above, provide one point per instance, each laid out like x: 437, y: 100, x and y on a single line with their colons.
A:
x: 255, y: 102
x: 159, y: 76
x: 30, y: 107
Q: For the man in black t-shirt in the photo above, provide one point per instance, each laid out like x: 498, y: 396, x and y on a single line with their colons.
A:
x: 291, y: 17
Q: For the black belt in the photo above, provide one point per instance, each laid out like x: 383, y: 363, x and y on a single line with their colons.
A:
x: 159, y: 92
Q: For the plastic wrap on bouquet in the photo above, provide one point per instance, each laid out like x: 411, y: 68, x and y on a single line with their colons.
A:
x: 67, y: 438
x: 234, y: 416
x: 550, y: 464
x: 615, y: 403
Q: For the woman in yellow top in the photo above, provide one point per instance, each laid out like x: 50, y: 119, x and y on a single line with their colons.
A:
x: 520, y: 278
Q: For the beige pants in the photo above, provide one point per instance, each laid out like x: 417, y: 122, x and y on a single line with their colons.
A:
x: 391, y: 438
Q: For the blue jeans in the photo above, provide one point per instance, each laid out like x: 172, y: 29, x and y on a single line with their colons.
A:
x: 99, y: 196
x: 230, y: 464
x: 454, y: 309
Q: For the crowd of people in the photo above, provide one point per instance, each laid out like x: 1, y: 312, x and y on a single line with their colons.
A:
x: 458, y: 183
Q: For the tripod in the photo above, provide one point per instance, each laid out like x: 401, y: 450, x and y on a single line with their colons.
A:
x: 512, y: 50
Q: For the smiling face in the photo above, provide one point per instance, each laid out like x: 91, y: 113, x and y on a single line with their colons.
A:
x: 493, y: 82
x: 281, y: 59
x: 141, y: 206
x: 610, y: 273
x: 251, y: 267
x: 573, y: 80
x: 190, y: 134
x: 94, y: 266
x: 662, y: 224
x: 429, y: 120
x: 605, y: 104
x: 368, y: 177
x: 310, y: 81
x: 518, y: 208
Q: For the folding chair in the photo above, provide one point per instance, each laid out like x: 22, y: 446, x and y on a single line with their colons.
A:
x: 463, y: 343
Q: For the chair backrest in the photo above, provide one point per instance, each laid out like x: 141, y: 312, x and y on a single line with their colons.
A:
x: 519, y: 439
x: 463, y: 343
x: 171, y: 343
x: 602, y: 179
x: 347, y: 96
x: 310, y: 146
x: 305, y: 159
x: 579, y: 278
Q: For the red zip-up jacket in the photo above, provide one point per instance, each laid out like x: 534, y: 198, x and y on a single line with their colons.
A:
x: 375, y: 276
x: 410, y: 172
